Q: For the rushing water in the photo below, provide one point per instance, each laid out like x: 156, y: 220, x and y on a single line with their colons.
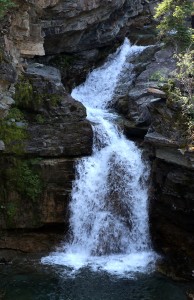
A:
x: 109, y: 256
x: 109, y: 213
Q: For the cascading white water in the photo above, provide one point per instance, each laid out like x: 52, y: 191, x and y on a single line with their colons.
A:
x: 109, y: 213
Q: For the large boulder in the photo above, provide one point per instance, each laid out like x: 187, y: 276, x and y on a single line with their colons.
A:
x: 153, y: 68
x: 57, y: 124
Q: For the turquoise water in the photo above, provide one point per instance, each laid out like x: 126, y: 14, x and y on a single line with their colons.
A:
x: 32, y: 281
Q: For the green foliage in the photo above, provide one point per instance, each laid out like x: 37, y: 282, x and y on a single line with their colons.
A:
x: 5, y: 6
x: 11, y: 210
x: 182, y: 89
x: 23, y: 93
x: 185, y: 73
x: 28, y: 182
x: 159, y: 78
x: 40, y: 119
x: 179, y: 91
x: 13, y: 135
x: 20, y: 181
x: 172, y: 15
x: 16, y: 114
x: 26, y: 97
x: 22, y: 176
x: 156, y: 76
x: 173, y: 27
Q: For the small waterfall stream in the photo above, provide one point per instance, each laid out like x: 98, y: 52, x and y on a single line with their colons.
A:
x: 109, y: 213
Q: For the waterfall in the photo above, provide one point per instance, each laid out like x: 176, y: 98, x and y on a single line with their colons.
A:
x: 109, y: 209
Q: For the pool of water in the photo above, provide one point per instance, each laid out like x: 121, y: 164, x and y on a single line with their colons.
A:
x: 29, y: 280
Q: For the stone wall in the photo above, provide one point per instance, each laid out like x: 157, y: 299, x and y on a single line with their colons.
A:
x: 172, y: 217
x: 53, y: 126
x: 51, y: 27
x: 163, y: 125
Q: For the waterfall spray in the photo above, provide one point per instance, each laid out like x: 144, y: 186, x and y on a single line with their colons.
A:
x: 109, y: 207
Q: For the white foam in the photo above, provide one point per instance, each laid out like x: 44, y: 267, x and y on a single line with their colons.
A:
x: 109, y: 207
x: 121, y: 265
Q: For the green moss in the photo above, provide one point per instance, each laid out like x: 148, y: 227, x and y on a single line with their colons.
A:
x: 172, y: 15
x: 28, y: 182
x: 11, y: 210
x: 5, y: 5
x: 27, y: 97
x: 40, y: 119
x: 23, y: 93
x: 21, y: 176
x: 16, y: 114
x: 54, y: 99
x: 20, y: 186
x: 1, y: 56
x: 13, y: 136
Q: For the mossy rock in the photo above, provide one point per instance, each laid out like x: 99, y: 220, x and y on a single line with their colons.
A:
x: 29, y: 98
x: 22, y: 176
x: 13, y: 134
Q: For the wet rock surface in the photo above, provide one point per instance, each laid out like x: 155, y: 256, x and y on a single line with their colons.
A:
x: 172, y: 217
x: 57, y: 132
x: 63, y: 129
x: 56, y: 125
x: 149, y: 114
x: 27, y: 242
x: 49, y: 207
x: 152, y: 68
x: 51, y: 27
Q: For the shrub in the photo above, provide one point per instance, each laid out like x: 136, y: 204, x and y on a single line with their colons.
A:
x: 14, y: 136
x: 172, y: 15
x: 28, y: 182
x: 5, y: 5
x: 27, y: 97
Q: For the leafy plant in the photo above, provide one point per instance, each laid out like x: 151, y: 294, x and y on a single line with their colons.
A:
x: 159, y: 77
x: 173, y: 27
x: 16, y: 114
x: 40, y: 119
x: 179, y: 91
x: 13, y: 136
x: 185, y: 73
x: 27, y: 97
x: 28, y: 181
x: 5, y: 5
x: 12, y: 133
x: 172, y: 15
x: 25, y: 179
x: 23, y: 93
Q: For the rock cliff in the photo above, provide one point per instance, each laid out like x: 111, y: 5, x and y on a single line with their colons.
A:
x: 51, y: 27
x: 43, y: 130
x: 164, y: 126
